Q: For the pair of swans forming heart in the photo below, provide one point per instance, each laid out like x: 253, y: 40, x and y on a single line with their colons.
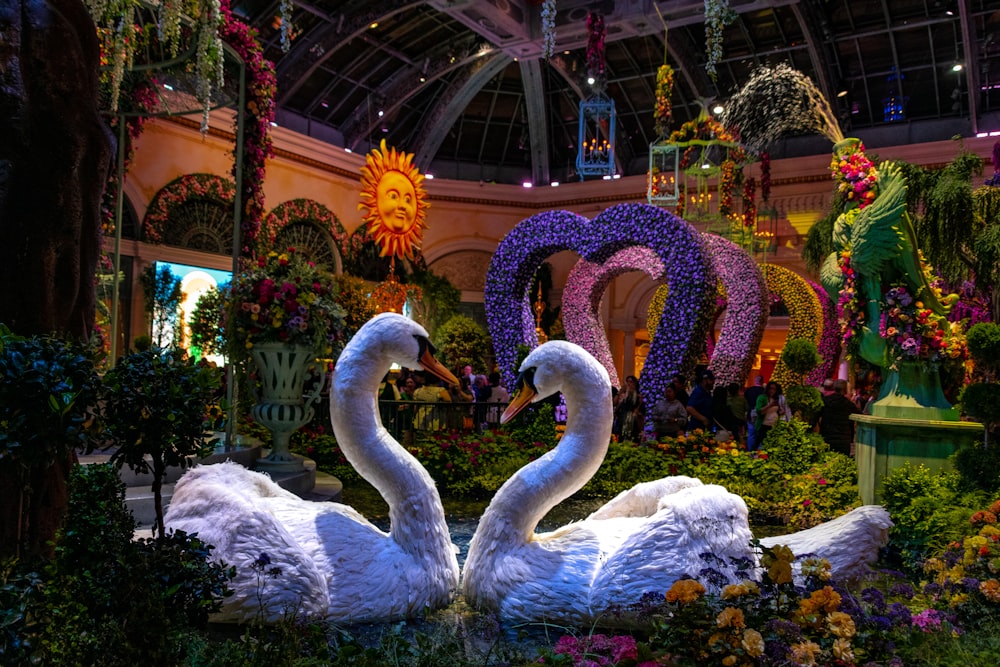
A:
x: 328, y: 560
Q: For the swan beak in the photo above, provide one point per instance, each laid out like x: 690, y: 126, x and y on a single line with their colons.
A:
x: 520, y: 401
x: 432, y: 365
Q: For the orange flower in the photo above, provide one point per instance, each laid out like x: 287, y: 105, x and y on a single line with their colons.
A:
x: 804, y: 654
x: 825, y: 600
x: 685, y: 590
x: 730, y: 617
x: 990, y: 590
x: 841, y: 624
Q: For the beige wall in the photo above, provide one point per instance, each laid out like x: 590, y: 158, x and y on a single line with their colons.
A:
x: 466, y: 220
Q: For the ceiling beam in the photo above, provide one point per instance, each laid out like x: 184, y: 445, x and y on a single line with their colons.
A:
x: 538, y: 132
x: 450, y: 106
x: 404, y: 85
x: 293, y: 71
x: 971, y: 63
x: 812, y: 45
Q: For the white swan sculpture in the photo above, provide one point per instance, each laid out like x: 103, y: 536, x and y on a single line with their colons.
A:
x: 325, y: 558
x: 573, y: 574
x: 641, y: 541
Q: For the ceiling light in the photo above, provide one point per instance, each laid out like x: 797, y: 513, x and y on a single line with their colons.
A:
x: 168, y: 86
x: 423, y: 79
x: 526, y: 184
x: 842, y: 93
x: 948, y: 12
x: 718, y: 109
x: 591, y: 80
x: 429, y: 177
x: 565, y: 53
x: 325, y: 104
x: 380, y: 113
x: 274, y: 124
x: 374, y: 24
x: 606, y: 177
x: 957, y: 67
x: 347, y: 150
x: 616, y: 176
x: 554, y: 184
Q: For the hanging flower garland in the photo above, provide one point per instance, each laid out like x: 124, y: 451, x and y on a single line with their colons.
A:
x: 718, y: 15
x: 259, y: 112
x: 180, y: 190
x: 727, y: 184
x: 663, y: 111
x: 548, y: 28
x: 595, y: 45
x: 749, y: 205
x: 581, y: 300
x: 765, y: 176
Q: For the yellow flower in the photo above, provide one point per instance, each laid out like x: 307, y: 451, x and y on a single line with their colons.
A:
x: 739, y: 590
x: 816, y: 567
x: 842, y: 650
x: 804, y: 654
x: 729, y: 660
x: 753, y: 643
x: 841, y: 624
x: 780, y: 572
x: 684, y: 591
x: 730, y: 617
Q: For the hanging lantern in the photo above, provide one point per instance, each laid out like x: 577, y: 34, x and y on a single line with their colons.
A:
x: 595, y: 154
x: 663, y: 178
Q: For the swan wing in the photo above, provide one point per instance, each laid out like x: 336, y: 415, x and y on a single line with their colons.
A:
x: 643, y: 499
x: 274, y: 575
x: 672, y: 543
x: 850, y: 542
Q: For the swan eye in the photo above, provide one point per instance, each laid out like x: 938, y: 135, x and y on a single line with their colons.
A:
x: 527, y: 377
x: 424, y: 346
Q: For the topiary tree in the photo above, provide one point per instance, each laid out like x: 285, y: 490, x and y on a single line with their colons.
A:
x: 982, y: 399
x: 354, y: 296
x: 438, y: 302
x: 156, y: 406
x: 800, y: 357
x: 462, y: 342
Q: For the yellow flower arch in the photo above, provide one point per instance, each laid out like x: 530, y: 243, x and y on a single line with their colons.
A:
x: 805, y: 312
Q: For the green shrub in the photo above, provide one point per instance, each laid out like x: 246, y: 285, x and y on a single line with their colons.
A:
x: 979, y: 467
x: 48, y: 408
x: 929, y: 510
x: 983, y: 340
x: 805, y: 401
x: 792, y: 447
x: 800, y: 356
x: 109, y: 600
x: 982, y: 401
x: 535, y: 425
x: 462, y: 342
x: 626, y: 464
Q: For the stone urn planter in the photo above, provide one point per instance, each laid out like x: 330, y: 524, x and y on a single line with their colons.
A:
x: 283, y: 407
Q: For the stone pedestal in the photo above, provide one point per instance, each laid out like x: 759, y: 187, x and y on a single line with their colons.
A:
x: 885, y: 443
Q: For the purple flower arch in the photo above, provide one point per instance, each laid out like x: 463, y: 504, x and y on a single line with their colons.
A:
x: 746, y: 310
x: 829, y: 340
x: 581, y: 299
x: 678, y: 245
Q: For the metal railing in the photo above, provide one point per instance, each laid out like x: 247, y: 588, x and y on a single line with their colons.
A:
x: 398, y: 417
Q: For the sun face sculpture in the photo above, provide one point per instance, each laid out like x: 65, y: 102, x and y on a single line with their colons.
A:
x: 392, y: 192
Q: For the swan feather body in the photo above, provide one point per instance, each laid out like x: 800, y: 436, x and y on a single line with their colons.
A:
x: 333, y: 561
x: 642, y: 543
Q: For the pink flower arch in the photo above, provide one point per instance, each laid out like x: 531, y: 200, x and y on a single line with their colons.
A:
x: 581, y: 300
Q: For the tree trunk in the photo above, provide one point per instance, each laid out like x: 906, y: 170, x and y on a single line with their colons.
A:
x: 32, y: 509
x: 54, y: 159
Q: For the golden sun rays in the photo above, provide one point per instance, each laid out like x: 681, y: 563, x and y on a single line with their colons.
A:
x: 392, y: 193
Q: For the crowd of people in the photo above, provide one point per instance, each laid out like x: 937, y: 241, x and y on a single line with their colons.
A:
x: 402, y: 389
x: 732, y: 412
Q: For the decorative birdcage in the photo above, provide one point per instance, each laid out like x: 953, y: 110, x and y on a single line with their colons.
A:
x: 596, y: 145
x: 663, y: 178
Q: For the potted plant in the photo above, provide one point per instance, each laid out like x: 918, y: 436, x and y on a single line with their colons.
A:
x: 282, y: 313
